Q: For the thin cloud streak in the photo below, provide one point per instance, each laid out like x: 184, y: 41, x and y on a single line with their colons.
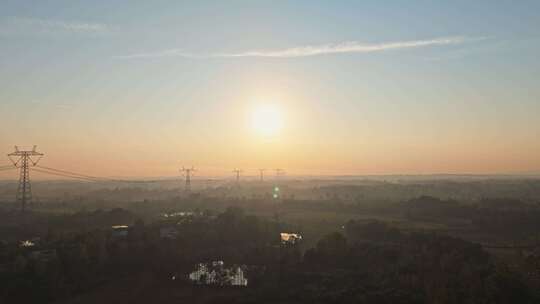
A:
x: 23, y: 25
x: 166, y: 53
x: 307, y: 51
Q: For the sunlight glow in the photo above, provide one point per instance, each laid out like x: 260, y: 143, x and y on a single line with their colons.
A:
x: 267, y: 120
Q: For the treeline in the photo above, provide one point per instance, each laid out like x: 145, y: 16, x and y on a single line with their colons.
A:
x: 63, y: 265
x: 364, y: 263
x: 505, y: 219
x: 465, y: 190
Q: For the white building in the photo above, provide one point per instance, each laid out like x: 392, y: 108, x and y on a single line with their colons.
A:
x: 216, y: 274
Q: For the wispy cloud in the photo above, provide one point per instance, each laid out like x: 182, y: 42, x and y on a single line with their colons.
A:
x: 311, y: 50
x: 479, y: 49
x: 24, y: 25
x: 165, y: 53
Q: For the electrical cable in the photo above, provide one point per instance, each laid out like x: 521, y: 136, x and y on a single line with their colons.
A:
x: 71, y: 174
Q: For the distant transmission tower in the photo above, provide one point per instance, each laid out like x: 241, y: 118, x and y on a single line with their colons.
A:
x: 24, y: 159
x: 188, y: 172
x: 237, y: 172
x: 279, y: 172
x: 261, y: 172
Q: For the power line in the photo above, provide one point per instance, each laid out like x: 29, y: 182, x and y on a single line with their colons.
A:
x: 64, y: 175
x: 71, y: 173
x: 27, y: 160
x: 80, y: 177
x: 96, y: 178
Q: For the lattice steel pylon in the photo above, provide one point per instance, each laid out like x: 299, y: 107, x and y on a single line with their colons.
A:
x: 188, y: 172
x: 24, y: 159
x: 237, y: 173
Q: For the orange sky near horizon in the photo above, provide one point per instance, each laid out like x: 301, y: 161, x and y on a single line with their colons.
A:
x: 119, y: 90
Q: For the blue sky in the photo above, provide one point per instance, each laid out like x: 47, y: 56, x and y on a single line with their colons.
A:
x: 373, y: 86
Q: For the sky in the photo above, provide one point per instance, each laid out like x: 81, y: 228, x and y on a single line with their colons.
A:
x: 141, y: 88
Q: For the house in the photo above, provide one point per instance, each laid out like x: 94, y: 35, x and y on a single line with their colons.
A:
x: 26, y: 244
x: 290, y: 238
x: 215, y: 273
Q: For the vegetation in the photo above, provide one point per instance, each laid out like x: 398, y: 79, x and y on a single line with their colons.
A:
x: 420, y: 250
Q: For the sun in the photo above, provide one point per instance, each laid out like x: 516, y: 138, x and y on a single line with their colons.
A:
x: 267, y: 120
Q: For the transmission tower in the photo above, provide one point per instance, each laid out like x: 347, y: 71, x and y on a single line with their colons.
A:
x: 237, y: 172
x: 261, y: 174
x: 279, y: 172
x: 24, y: 159
x: 188, y: 172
